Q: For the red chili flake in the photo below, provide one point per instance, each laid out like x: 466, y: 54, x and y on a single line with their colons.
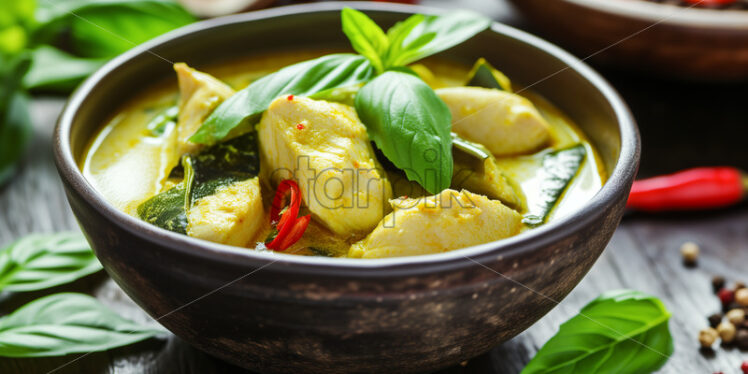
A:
x: 355, y: 164
x: 726, y: 296
x: 300, y: 126
x: 290, y: 97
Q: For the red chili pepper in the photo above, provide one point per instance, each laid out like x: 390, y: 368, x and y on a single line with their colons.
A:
x: 290, y: 227
x: 698, y: 188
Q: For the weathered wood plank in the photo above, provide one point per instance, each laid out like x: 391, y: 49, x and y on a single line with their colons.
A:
x: 642, y: 255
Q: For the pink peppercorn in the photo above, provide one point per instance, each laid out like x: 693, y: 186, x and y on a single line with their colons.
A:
x: 726, y: 296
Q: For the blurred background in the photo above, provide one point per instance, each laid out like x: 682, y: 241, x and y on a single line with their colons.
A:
x: 681, y: 65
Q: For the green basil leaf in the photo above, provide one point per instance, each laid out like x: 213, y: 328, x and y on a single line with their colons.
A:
x: 414, y: 40
x: 15, y: 122
x: 366, y: 37
x: 621, y: 332
x: 411, y: 125
x: 57, y: 71
x: 304, y: 78
x: 559, y: 168
x: 67, y: 323
x: 106, y: 28
x: 41, y: 261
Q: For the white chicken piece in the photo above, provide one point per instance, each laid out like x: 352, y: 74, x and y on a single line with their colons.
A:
x: 324, y: 147
x: 506, y: 123
x: 233, y: 215
x: 199, y: 95
x: 439, y: 223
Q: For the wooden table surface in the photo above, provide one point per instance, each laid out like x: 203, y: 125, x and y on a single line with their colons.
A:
x: 682, y: 125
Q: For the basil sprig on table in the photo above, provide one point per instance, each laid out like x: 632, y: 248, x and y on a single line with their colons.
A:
x: 15, y: 122
x: 41, y: 261
x: 410, y: 131
x: 91, y: 31
x: 621, y: 332
x: 67, y: 323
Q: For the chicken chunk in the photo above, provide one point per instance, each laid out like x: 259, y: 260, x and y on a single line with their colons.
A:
x: 438, y: 223
x: 506, y: 123
x: 233, y: 215
x: 200, y: 94
x: 324, y: 147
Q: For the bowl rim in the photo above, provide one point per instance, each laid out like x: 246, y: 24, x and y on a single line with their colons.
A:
x: 617, y: 184
x: 657, y: 13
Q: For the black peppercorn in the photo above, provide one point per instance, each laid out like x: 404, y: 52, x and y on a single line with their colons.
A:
x: 715, y: 319
x: 741, y: 339
x: 718, y: 283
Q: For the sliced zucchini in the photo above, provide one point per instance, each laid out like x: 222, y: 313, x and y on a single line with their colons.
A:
x: 559, y: 168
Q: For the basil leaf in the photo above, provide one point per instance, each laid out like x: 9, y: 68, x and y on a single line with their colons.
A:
x: 366, y: 37
x: 58, y: 71
x: 417, y: 38
x: 66, y: 323
x: 106, y: 28
x: 304, y: 78
x: 559, y: 168
x: 42, y: 261
x: 16, y: 18
x: 411, y: 125
x: 15, y: 122
x: 621, y: 332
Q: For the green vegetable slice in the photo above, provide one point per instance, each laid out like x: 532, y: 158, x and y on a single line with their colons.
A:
x: 67, y: 323
x: 164, y: 121
x: 305, y: 78
x: 621, y: 332
x: 41, y: 261
x: 484, y: 75
x: 214, y: 167
x: 559, y: 168
x: 411, y: 125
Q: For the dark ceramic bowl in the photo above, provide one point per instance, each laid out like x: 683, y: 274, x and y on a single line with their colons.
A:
x: 283, y: 313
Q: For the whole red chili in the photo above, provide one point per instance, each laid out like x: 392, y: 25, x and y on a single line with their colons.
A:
x: 744, y: 367
x: 699, y: 188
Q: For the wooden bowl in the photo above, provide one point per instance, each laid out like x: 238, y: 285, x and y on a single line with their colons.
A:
x: 686, y: 43
x: 272, y: 312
